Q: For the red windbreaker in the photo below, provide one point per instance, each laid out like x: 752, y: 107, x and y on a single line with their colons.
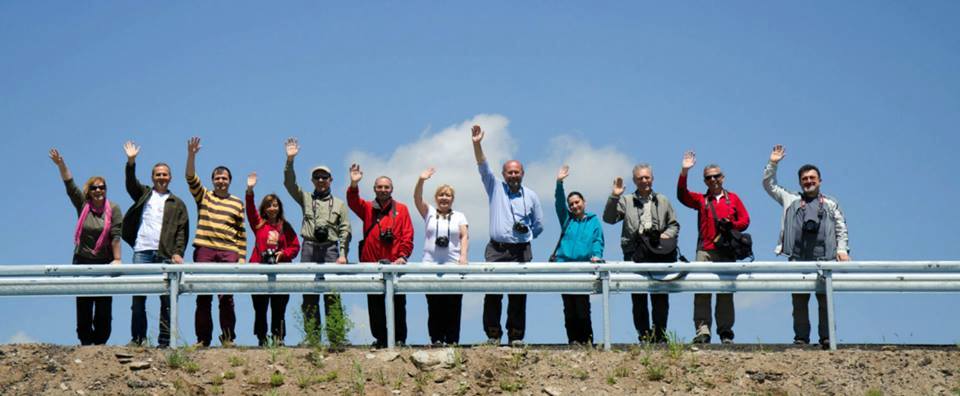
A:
x: 394, y: 217
x: 735, y: 212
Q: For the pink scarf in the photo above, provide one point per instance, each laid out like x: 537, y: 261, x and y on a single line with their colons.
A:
x: 107, y: 217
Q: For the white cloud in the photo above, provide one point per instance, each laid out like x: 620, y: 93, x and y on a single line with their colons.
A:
x: 21, y: 337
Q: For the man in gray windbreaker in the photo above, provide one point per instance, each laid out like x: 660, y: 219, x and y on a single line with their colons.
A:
x: 812, y: 229
x: 649, y: 235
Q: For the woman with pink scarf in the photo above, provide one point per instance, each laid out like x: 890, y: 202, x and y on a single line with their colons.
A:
x: 96, y: 240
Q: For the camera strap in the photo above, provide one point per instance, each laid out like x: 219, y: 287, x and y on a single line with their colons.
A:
x: 563, y: 230
x: 436, y: 217
x: 522, y: 199
x: 378, y: 214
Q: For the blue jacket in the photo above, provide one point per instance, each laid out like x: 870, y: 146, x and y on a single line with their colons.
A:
x: 582, y: 239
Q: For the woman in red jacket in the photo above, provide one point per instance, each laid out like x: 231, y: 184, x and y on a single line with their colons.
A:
x: 276, y: 242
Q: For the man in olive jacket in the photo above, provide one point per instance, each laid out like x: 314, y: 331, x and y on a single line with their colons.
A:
x: 156, y: 227
x: 645, y: 214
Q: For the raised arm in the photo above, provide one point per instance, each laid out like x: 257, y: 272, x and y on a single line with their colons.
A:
x: 559, y: 196
x: 133, y: 186
x: 770, y: 185
x: 613, y: 211
x: 477, y: 135
x: 357, y: 205
x: 193, y: 147
x: 252, y: 215
x: 61, y: 164
x: 688, y: 199
x: 74, y: 193
x: 422, y: 206
x: 292, y: 147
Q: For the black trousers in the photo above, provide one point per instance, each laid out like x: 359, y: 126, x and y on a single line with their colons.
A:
x: 443, y: 317
x: 93, y: 319
x: 660, y: 304
x: 277, y: 303
x: 377, y: 311
x: 493, y: 303
x: 801, y: 317
x: 576, y: 318
x: 94, y: 314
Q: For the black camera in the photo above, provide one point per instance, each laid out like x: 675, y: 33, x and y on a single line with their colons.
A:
x: 386, y: 236
x: 652, y: 236
x: 442, y: 242
x: 520, y: 228
x: 268, y: 256
x: 320, y: 234
x: 811, y: 226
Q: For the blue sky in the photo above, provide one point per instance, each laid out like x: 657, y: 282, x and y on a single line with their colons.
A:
x: 867, y: 90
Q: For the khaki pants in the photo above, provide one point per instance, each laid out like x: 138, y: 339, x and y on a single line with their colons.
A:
x: 724, y: 312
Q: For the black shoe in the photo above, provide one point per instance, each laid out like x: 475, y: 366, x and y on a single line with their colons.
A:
x: 825, y: 343
x: 701, y: 339
x: 798, y: 341
x: 726, y: 340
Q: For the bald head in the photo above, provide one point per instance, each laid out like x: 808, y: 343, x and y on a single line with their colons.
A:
x: 513, y: 174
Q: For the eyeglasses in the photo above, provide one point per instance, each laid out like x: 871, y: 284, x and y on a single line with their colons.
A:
x: 98, y: 187
x: 718, y: 176
x: 321, y: 177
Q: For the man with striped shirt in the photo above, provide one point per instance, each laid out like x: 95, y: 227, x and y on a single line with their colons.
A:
x: 221, y: 238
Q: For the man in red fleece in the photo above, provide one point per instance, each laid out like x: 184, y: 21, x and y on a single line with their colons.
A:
x: 387, y: 238
x: 729, y: 213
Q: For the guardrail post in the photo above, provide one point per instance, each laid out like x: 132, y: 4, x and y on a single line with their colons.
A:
x: 388, y: 302
x: 605, y: 288
x: 174, y: 283
x: 828, y: 285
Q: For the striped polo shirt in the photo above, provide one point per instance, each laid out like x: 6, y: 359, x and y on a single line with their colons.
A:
x: 219, y: 220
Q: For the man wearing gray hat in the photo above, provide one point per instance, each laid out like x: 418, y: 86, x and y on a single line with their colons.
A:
x: 326, y: 228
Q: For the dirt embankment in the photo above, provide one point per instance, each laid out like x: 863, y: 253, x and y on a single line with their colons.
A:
x: 59, y: 370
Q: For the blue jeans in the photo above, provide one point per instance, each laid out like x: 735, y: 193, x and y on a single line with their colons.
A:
x: 138, y: 323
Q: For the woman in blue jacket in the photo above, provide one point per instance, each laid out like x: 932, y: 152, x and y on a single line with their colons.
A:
x: 581, y: 240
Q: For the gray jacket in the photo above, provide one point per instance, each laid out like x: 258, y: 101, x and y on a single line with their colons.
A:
x: 836, y: 230
x: 623, y: 208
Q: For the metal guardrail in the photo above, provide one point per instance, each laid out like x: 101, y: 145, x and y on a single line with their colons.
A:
x: 574, y: 278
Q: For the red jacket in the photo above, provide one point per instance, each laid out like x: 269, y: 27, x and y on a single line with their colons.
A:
x: 286, y: 243
x: 394, y: 217
x: 734, y: 211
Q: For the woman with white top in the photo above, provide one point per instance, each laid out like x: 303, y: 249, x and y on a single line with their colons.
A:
x: 447, y: 241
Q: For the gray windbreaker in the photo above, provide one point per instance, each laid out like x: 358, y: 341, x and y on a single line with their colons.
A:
x: 836, y: 224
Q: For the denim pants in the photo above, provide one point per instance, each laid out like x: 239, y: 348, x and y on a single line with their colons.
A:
x: 138, y: 320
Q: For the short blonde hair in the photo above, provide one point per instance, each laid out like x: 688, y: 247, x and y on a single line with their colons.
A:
x: 444, y: 188
x: 90, y: 181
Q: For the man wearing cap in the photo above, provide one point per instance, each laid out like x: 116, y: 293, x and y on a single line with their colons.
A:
x: 649, y: 235
x: 516, y: 217
x: 812, y: 228
x: 326, y: 229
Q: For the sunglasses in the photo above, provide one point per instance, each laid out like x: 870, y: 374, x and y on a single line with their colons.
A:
x: 98, y: 187
x: 718, y: 176
x: 321, y: 177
